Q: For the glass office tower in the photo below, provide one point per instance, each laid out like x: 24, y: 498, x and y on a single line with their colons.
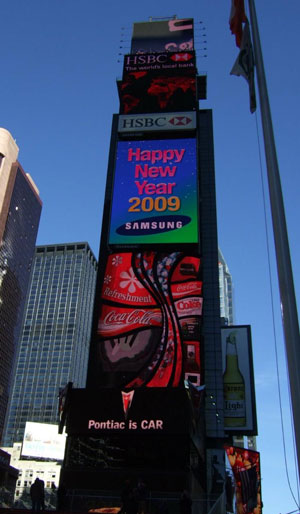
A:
x: 55, y: 334
x: 20, y: 209
x: 226, y: 291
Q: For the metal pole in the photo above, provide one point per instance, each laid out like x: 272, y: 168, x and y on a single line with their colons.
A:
x: 284, y: 268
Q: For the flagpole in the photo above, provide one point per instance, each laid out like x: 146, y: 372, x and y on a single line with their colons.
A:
x: 284, y: 267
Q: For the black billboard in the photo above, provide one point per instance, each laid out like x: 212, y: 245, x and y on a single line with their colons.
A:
x: 144, y: 411
x: 146, y: 91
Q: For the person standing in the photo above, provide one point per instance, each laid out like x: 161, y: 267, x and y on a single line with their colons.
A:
x: 185, y: 503
x: 37, y: 495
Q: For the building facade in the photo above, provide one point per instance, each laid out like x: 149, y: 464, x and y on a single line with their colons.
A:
x: 20, y: 209
x: 28, y: 471
x: 226, y: 292
x: 156, y: 339
x: 156, y: 358
x: 55, y: 334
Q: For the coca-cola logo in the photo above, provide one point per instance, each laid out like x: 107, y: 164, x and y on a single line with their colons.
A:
x: 140, y: 317
x: 194, y: 303
x: 187, y: 287
x: 189, y: 306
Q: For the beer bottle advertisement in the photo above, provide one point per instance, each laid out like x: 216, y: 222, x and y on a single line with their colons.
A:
x: 149, y: 321
x: 234, y: 386
x: 238, y: 387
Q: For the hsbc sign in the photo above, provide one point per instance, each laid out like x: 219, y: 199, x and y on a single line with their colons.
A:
x: 157, y: 122
x: 183, y: 63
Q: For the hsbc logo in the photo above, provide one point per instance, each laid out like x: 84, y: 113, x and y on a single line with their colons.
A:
x: 157, y: 122
x: 181, y: 121
x: 181, y: 57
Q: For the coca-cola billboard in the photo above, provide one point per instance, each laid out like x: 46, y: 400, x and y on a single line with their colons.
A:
x: 149, y: 322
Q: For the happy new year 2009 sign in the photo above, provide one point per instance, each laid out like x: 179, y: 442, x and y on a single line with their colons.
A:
x: 155, y: 193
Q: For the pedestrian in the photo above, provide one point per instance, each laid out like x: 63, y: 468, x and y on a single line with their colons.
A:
x: 129, y: 499
x: 42, y: 486
x: 185, y: 503
x: 37, y: 496
x: 142, y: 495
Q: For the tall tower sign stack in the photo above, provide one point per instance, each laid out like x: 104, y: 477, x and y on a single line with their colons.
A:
x: 153, y: 405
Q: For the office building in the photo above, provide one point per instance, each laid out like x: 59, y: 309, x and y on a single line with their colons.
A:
x: 158, y: 349
x: 226, y: 292
x: 153, y: 349
x: 20, y: 209
x: 55, y: 334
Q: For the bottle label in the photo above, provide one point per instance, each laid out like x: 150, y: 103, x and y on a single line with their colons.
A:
x: 234, y: 401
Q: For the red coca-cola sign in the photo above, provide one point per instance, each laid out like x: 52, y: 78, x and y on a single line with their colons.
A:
x: 120, y: 283
x: 186, y: 289
x: 151, y: 306
x: 117, y: 320
x: 189, y: 306
x: 187, y: 269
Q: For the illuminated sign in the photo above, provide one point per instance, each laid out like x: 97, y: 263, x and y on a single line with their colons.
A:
x: 151, y: 411
x: 149, y: 320
x: 238, y: 383
x: 42, y: 440
x: 245, y: 465
x: 146, y: 91
x: 159, y: 36
x: 170, y: 63
x: 157, y: 122
x: 155, y: 193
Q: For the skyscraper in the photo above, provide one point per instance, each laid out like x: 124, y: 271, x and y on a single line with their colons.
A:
x: 55, y: 334
x: 20, y: 209
x: 157, y: 347
x: 226, y: 291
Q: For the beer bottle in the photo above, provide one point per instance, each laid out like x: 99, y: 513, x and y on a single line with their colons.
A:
x: 234, y: 387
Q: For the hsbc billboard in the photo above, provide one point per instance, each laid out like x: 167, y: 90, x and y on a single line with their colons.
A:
x: 157, y: 122
x: 167, y: 62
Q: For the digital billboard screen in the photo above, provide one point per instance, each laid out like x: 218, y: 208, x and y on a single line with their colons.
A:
x: 155, y: 193
x: 145, y: 91
x: 238, y: 382
x: 147, y: 411
x: 245, y: 465
x: 165, y: 35
x: 161, y: 63
x: 149, y: 322
x: 42, y: 440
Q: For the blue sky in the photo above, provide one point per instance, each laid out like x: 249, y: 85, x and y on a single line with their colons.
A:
x: 59, y: 62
